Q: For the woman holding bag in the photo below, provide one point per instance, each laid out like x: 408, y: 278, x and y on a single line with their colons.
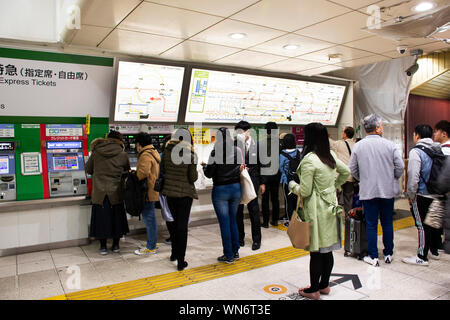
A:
x: 225, y: 168
x: 321, y: 173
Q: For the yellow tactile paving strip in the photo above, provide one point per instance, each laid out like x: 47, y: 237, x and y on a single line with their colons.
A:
x: 146, y: 286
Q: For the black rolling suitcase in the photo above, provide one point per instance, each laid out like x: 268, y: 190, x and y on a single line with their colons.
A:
x: 355, y: 237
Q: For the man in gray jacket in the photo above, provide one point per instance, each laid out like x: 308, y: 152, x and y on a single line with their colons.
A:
x: 378, y: 165
x: 420, y: 199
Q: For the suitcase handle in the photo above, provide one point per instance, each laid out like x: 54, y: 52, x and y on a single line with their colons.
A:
x: 353, y: 236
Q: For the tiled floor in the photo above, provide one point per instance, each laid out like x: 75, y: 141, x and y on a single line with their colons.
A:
x: 51, y: 273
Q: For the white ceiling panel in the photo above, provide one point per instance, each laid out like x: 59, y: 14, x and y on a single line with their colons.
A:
x: 289, y: 15
x: 292, y: 65
x: 215, y: 7
x: 345, y: 53
x: 198, y: 51
x: 90, y: 36
x: 362, y: 61
x: 219, y: 34
x: 320, y: 70
x: 106, y: 13
x: 356, y: 4
x: 378, y: 44
x: 138, y: 43
x: 249, y: 59
x: 304, y: 44
x: 339, y: 30
x: 167, y: 21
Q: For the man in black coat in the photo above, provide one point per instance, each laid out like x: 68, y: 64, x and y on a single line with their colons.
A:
x: 252, y: 161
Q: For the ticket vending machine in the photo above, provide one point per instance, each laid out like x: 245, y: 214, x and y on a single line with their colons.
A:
x: 7, y: 171
x: 65, y: 167
x: 64, y: 152
x: 129, y: 141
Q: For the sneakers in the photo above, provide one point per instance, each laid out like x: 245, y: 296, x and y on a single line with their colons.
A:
x: 373, y: 262
x: 388, y: 259
x: 416, y: 261
x: 103, y: 251
x: 434, y: 256
x: 225, y: 259
x: 144, y: 251
x: 236, y: 256
x: 168, y: 241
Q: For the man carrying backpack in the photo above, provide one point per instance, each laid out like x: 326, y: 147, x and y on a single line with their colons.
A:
x: 420, y: 166
x: 148, y: 168
x: 343, y: 149
x: 290, y: 158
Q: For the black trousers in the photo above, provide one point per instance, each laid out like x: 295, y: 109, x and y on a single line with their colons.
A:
x: 253, y: 209
x: 320, y: 267
x: 180, y: 209
x: 272, y: 184
x: 290, y: 201
x: 345, y: 197
x: 429, y: 238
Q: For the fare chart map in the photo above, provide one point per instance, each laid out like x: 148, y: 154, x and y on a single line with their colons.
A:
x: 221, y: 97
x: 148, y: 92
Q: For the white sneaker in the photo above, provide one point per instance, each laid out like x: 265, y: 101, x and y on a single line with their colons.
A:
x: 434, y: 257
x: 388, y: 259
x: 415, y: 260
x: 144, y: 252
x: 373, y: 262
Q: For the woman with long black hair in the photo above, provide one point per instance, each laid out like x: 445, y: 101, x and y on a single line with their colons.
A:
x: 224, y: 167
x: 321, y: 173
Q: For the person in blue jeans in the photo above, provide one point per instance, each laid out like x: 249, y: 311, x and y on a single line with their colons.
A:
x: 224, y: 167
x: 148, y: 168
x: 377, y: 164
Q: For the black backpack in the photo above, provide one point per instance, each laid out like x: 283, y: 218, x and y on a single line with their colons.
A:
x: 438, y: 159
x: 135, y: 193
x: 294, y: 162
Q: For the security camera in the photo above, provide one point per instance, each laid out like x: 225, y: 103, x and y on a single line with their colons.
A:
x: 411, y: 70
x: 402, y: 49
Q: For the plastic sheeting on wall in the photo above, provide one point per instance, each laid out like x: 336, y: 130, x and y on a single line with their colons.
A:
x: 380, y: 88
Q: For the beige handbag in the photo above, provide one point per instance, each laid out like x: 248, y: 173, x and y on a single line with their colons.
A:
x: 247, y: 189
x: 298, y: 230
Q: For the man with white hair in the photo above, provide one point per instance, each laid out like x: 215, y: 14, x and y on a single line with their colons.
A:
x: 378, y: 165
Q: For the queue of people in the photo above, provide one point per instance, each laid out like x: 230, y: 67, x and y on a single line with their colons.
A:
x: 323, y: 173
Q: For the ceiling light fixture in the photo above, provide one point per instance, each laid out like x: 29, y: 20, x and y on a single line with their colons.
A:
x: 237, y: 35
x: 290, y: 47
x: 423, y: 6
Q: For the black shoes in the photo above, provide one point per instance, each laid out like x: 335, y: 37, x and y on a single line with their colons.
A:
x: 265, y: 225
x: 115, y: 249
x: 275, y: 224
x: 256, y: 245
x: 241, y: 243
x: 236, y: 256
x: 181, y: 266
x: 172, y: 258
x: 226, y: 260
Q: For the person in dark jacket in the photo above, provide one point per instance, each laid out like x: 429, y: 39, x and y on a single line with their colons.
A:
x: 107, y: 163
x: 253, y: 163
x: 272, y: 181
x: 179, y: 166
x: 225, y: 168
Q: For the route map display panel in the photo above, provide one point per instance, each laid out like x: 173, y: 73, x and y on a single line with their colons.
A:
x: 222, y: 97
x: 148, y: 92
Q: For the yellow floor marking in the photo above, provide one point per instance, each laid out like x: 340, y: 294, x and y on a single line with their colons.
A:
x: 158, y: 283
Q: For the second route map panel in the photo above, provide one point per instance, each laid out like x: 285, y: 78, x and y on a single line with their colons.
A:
x: 221, y: 97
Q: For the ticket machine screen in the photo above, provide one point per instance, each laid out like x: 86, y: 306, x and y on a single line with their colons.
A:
x: 4, y: 165
x: 66, y: 162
